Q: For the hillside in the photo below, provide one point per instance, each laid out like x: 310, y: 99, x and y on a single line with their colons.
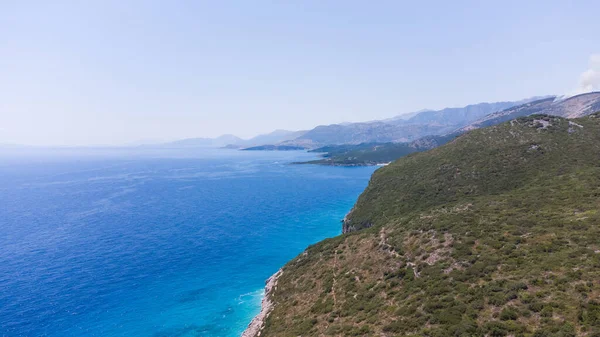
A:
x: 461, y: 116
x: 374, y: 132
x: 233, y: 142
x: 493, y: 234
x: 576, y: 106
x: 572, y: 107
x: 375, y: 153
x: 402, y: 128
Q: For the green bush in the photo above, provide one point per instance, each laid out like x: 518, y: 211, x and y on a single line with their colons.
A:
x: 509, y: 314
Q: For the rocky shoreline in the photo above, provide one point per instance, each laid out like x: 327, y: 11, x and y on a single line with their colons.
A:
x: 256, y: 325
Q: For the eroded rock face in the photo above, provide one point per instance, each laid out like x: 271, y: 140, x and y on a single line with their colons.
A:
x: 348, y: 226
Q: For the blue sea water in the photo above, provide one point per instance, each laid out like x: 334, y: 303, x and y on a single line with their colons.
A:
x: 155, y: 242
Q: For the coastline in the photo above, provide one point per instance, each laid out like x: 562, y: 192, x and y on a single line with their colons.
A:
x: 256, y: 325
x: 324, y: 162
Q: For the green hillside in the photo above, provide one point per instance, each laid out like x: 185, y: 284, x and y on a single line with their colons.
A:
x: 496, y: 233
x: 371, y: 154
x: 375, y: 153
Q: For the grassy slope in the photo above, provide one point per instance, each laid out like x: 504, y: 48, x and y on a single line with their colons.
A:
x: 496, y: 233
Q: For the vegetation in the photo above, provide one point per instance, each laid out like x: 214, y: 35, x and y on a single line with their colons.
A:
x: 375, y: 153
x: 495, y: 234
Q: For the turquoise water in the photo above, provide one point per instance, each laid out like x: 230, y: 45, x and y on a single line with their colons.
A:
x: 155, y: 242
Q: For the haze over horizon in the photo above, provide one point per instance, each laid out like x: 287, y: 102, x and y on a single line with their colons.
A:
x: 108, y: 72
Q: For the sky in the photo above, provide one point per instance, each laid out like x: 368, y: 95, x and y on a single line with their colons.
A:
x: 118, y: 72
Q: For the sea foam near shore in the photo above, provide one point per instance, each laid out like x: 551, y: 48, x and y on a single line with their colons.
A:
x: 257, y: 323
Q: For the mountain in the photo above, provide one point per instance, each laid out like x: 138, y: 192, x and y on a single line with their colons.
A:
x: 274, y: 148
x: 375, y: 153
x: 356, y: 133
x: 403, y: 128
x: 464, y: 115
x: 274, y: 137
x: 234, y: 142
x: 493, y: 234
x: 204, y: 142
x: 571, y: 107
x: 356, y: 155
x: 405, y: 116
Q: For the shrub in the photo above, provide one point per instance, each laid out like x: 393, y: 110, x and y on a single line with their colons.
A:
x: 509, y: 314
x: 536, y: 306
x: 546, y: 311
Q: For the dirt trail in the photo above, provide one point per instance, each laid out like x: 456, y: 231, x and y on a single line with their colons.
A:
x: 335, y: 266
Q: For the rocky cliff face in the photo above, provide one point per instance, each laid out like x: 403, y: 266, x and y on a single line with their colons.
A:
x: 348, y: 226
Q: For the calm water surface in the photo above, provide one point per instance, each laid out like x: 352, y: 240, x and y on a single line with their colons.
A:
x: 112, y: 242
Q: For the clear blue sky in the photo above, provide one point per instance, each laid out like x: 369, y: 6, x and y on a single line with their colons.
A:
x: 112, y: 72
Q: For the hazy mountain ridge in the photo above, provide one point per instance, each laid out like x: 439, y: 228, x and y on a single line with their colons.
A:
x: 402, y: 128
x: 274, y: 148
x: 232, y: 141
x: 375, y: 153
x: 469, y: 113
x: 575, y: 106
x: 572, y: 107
x: 379, y: 132
x: 203, y: 142
x: 276, y: 136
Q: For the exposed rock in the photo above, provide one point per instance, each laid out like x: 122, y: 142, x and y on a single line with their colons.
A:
x: 257, y: 323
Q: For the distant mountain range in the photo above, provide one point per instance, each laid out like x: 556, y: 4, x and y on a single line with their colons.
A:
x: 204, y: 142
x: 572, y: 107
x: 457, y: 116
x: 407, y: 127
x: 403, y: 128
x: 235, y: 142
x: 357, y: 133
x: 375, y: 153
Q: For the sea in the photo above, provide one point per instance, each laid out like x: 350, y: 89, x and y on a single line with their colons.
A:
x: 155, y: 242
